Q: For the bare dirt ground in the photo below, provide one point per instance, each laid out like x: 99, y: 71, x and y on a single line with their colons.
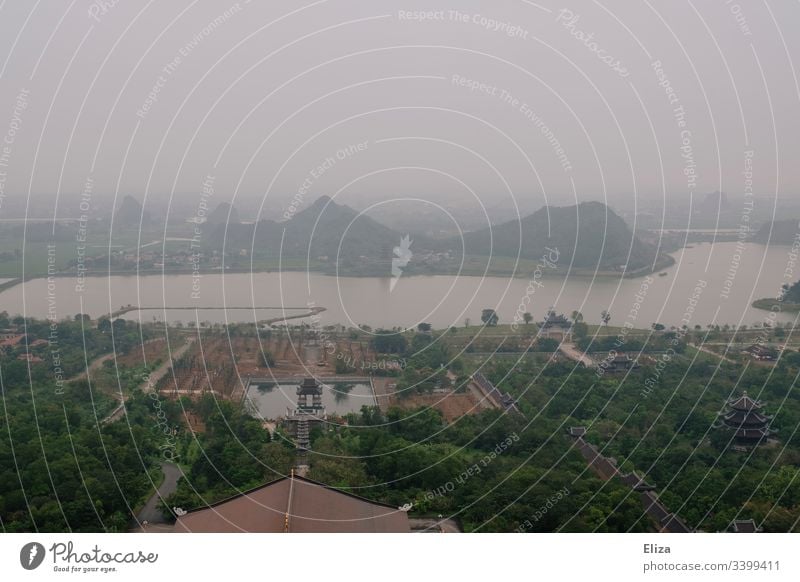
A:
x: 151, y: 351
x: 452, y: 405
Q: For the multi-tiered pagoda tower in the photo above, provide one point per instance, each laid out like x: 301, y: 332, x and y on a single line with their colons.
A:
x: 743, y: 416
x: 309, y: 410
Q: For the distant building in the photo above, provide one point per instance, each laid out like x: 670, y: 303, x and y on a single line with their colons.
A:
x: 637, y: 482
x: 11, y: 340
x: 744, y: 526
x: 743, y: 416
x: 294, y: 504
x: 761, y: 353
x: 621, y: 363
x: 555, y: 321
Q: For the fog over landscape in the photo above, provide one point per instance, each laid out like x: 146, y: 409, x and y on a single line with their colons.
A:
x: 150, y: 101
x: 381, y: 267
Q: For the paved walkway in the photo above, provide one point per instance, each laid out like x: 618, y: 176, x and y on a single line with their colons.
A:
x: 705, y: 350
x: 151, y: 513
x: 149, y: 385
x: 573, y: 353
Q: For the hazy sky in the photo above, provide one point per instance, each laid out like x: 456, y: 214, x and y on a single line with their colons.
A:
x: 499, y: 101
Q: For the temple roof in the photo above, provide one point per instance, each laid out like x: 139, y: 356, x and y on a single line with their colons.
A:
x: 744, y: 402
x: 744, y: 526
x: 753, y: 433
x: 742, y: 418
x: 294, y: 504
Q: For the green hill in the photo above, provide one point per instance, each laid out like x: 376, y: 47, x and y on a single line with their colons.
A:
x: 587, y: 236
x: 322, y: 230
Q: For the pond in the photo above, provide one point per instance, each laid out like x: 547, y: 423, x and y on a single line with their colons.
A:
x: 271, y: 400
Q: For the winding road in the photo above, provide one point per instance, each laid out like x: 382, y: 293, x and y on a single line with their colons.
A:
x: 151, y: 513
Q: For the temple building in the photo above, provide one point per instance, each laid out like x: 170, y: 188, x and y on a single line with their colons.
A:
x: 743, y: 416
x: 309, y: 410
x: 294, y: 504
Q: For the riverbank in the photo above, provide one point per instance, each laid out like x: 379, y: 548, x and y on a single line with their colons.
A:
x: 520, y: 270
x: 768, y: 304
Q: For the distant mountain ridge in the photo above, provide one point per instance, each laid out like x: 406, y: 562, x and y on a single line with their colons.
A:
x: 322, y: 230
x: 588, y: 236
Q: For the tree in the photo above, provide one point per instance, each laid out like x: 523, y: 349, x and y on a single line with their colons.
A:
x: 527, y: 317
x: 489, y: 317
x: 546, y: 344
x: 577, y: 316
x: 658, y: 327
x: 267, y: 359
x: 388, y: 342
x: 467, y: 321
x: 424, y: 327
x: 605, y: 317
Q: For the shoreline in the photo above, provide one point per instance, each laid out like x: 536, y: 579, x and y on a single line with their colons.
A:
x: 767, y: 304
x: 664, y: 263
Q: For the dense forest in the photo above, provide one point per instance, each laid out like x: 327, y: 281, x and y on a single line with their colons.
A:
x: 60, y: 468
x: 63, y: 469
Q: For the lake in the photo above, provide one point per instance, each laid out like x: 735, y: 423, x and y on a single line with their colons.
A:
x: 731, y: 284
x: 272, y: 400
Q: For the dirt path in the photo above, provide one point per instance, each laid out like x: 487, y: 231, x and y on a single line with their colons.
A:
x: 150, y: 384
x: 93, y: 365
x: 573, y: 353
x: 705, y: 350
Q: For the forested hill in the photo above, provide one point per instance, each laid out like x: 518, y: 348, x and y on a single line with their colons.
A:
x: 591, y: 231
x: 323, y: 229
